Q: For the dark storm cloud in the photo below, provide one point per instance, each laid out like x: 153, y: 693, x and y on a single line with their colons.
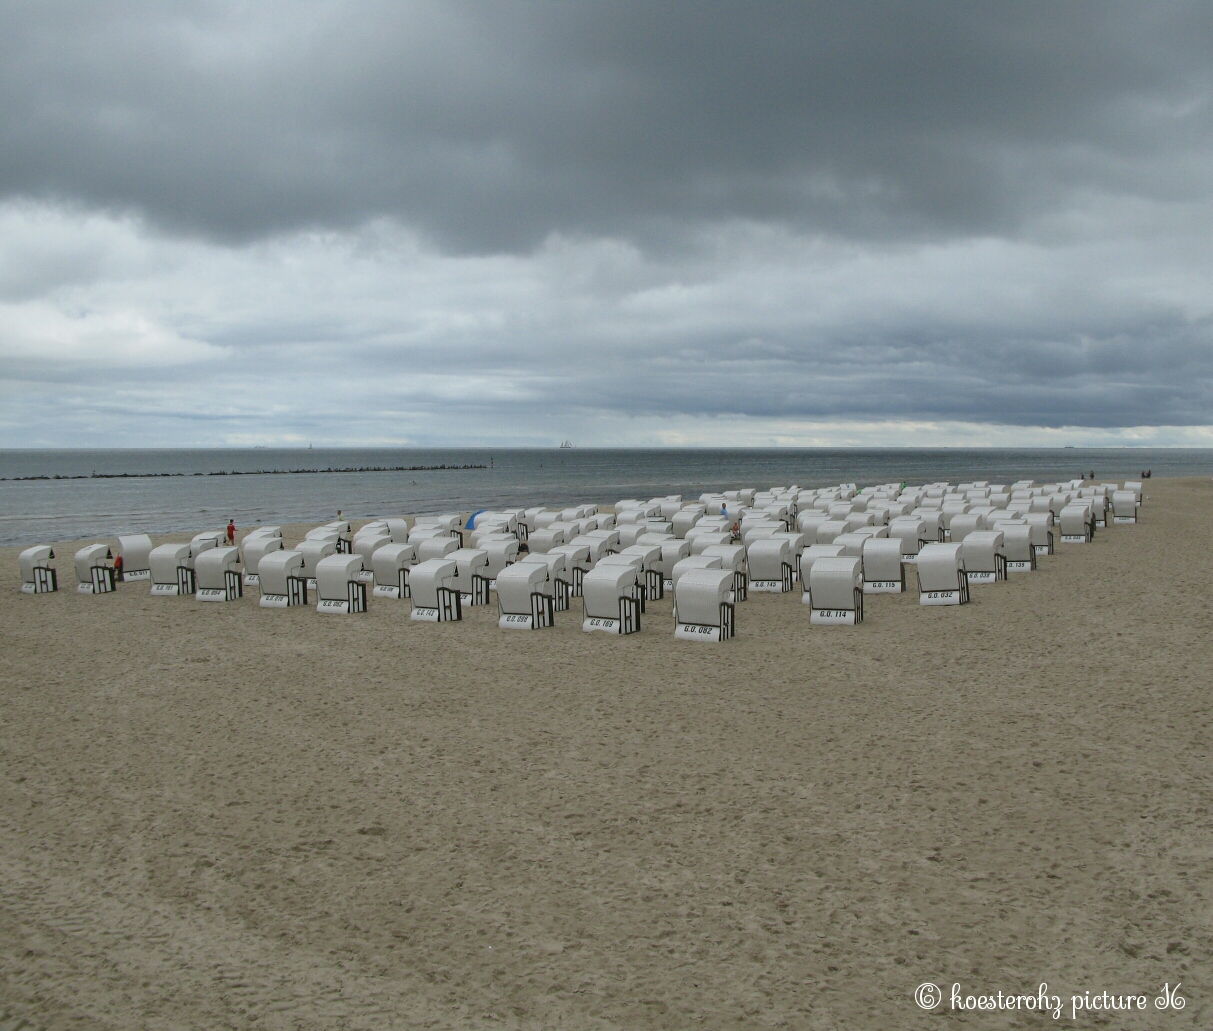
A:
x: 490, y: 126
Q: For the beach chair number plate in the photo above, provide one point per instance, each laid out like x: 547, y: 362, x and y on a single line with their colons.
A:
x: 940, y: 597
x: 425, y: 615
x: 882, y: 586
x: 274, y: 601
x: 982, y: 577
x: 515, y: 621
x: 1120, y: 520
x: 697, y: 632
x: 165, y: 590
x: 1019, y: 566
x: 767, y: 585
x: 136, y: 574
x: 832, y: 617
x: 1074, y: 538
x: 211, y: 594
x: 667, y: 584
x: 1041, y: 549
x: 611, y: 626
x: 252, y: 580
x: 385, y: 591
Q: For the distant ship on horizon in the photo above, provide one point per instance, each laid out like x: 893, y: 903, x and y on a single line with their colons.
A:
x: 566, y: 443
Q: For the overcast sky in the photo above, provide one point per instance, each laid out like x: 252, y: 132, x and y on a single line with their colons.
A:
x: 619, y: 223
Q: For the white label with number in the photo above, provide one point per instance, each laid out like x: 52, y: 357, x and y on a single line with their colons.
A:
x: 515, y: 621
x: 1041, y: 549
x: 939, y: 598
x: 832, y: 617
x: 167, y: 590
x: 697, y: 632
x: 252, y: 580
x: 1074, y: 538
x: 882, y: 587
x: 424, y: 615
x: 136, y: 574
x: 983, y: 576
x: 1019, y: 566
x: 1120, y: 520
x: 211, y: 594
x: 770, y: 586
x: 610, y: 626
x: 274, y: 601
x: 337, y: 606
x: 385, y: 591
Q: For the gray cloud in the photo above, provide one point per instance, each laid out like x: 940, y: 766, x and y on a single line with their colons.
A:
x: 492, y: 125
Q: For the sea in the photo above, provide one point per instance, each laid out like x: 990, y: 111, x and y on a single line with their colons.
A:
x: 55, y: 495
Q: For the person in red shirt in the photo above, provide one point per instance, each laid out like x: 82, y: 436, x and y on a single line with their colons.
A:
x: 231, y: 531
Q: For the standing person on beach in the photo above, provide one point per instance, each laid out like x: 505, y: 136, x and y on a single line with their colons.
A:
x: 231, y: 531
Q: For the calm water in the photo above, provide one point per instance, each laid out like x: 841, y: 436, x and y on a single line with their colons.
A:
x: 38, y: 510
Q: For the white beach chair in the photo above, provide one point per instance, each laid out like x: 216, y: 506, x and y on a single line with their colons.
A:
x: 769, y: 565
x: 471, y: 575
x: 399, y: 530
x: 282, y: 580
x: 811, y: 554
x: 95, y: 570
x: 38, y: 576
x: 501, y: 553
x: 611, y: 599
x: 963, y: 524
x: 836, y: 591
x: 365, y: 547
x: 732, y: 556
x: 172, y: 570
x: 390, y: 565
x: 557, y: 585
x: 340, y: 589
x: 1077, y: 523
x: 435, y: 599
x: 217, y: 575
x: 429, y: 548
x: 685, y: 565
x: 685, y: 518
x: 1124, y: 507
x: 314, y: 551
x: 1017, y: 545
x: 702, y: 606
x: 651, y: 574
x: 524, y: 601
x: 884, y: 572
x: 577, y: 563
x: 942, y: 579
x: 984, y: 555
x: 540, y: 542
x: 254, y: 548
x: 1042, y: 531
x: 135, y: 549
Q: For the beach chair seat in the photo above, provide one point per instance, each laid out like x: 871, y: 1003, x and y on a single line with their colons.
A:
x: 942, y: 579
x: 685, y: 564
x: 1124, y: 507
x: 884, y: 572
x: 963, y: 524
x: 172, y: 569
x: 768, y: 561
x: 435, y: 596
x: 811, y: 554
x: 38, y: 576
x: 732, y: 556
x: 652, y: 575
x: 340, y: 589
x: 612, y: 598
x: 399, y: 530
x: 390, y: 566
x: 540, y: 542
x: 828, y: 530
x: 252, y: 550
x: 685, y: 518
x: 577, y: 563
x: 1076, y: 523
x: 471, y: 575
x: 217, y: 575
x: 1017, y: 545
x: 95, y: 570
x: 701, y: 541
x: 836, y: 591
x: 557, y: 584
x: 1042, y: 531
x: 702, y: 606
x: 430, y: 548
x: 524, y: 601
x: 365, y: 547
x: 282, y: 580
x: 135, y: 549
x: 984, y: 555
x: 314, y: 550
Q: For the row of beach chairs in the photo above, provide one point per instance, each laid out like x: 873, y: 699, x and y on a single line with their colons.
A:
x: 835, y: 545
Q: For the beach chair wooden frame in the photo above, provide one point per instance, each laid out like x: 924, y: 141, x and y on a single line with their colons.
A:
x: 186, y: 580
x: 45, y: 581
x: 479, y: 594
x: 296, y: 591
x: 740, y: 586
x: 233, y: 588
x: 561, y: 591
x: 103, y: 580
x: 654, y: 584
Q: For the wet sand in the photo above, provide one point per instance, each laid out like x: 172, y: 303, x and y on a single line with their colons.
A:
x: 222, y: 816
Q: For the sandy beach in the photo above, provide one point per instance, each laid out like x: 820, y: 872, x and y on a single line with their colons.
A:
x: 219, y: 816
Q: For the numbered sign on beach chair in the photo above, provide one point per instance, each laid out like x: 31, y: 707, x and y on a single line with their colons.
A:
x: 95, y: 570
x: 136, y: 550
x: 1077, y: 523
x: 38, y: 576
x: 282, y: 580
x: 340, y: 589
x: 836, y: 591
x: 769, y: 565
x: 884, y: 572
x: 172, y: 568
x: 1017, y: 545
x: 523, y: 599
x: 683, y: 566
x: 612, y: 598
x: 217, y: 575
x: 942, y: 579
x: 435, y: 597
x: 701, y: 601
